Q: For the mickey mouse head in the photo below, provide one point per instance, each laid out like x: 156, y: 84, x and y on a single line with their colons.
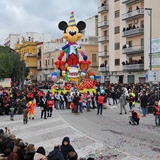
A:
x: 72, y: 31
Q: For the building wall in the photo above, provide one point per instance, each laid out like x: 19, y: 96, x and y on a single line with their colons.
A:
x: 91, y: 26
x: 89, y: 51
x: 28, y: 53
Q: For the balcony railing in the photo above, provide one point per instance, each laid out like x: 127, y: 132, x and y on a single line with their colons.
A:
x: 103, y: 24
x: 103, y: 69
x: 103, y: 54
x: 104, y: 8
x: 133, y: 32
x: 130, y: 2
x: 133, y: 50
x: 51, y: 66
x: 134, y: 14
x: 30, y: 55
x: 39, y: 67
x: 133, y: 67
x: 103, y: 39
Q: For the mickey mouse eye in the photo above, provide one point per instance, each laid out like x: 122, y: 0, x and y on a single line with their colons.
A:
x: 70, y: 31
x: 75, y: 31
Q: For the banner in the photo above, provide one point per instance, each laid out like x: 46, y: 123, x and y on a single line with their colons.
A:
x: 6, y: 82
x: 155, y: 52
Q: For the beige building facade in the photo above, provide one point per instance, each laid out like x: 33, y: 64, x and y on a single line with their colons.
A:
x: 123, y: 42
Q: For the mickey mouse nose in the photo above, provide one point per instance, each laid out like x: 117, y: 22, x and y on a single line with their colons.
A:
x: 72, y: 33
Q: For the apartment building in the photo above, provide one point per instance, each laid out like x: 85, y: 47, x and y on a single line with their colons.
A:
x: 123, y: 42
x: 47, y: 54
x: 14, y: 39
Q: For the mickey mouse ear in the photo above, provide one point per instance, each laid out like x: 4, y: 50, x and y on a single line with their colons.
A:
x: 81, y: 25
x: 62, y: 25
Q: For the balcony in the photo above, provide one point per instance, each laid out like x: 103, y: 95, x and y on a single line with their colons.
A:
x: 133, y: 67
x: 133, y: 50
x: 134, y: 14
x: 133, y: 32
x: 103, y: 39
x: 39, y: 67
x: 103, y: 54
x: 30, y: 55
x: 103, y: 9
x: 103, y: 24
x: 103, y: 69
x: 131, y: 2
x: 51, y: 66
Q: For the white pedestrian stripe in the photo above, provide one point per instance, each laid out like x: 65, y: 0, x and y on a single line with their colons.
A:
x: 49, y: 132
x: 112, y: 107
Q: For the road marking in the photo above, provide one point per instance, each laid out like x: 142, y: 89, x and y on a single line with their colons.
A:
x: 112, y: 107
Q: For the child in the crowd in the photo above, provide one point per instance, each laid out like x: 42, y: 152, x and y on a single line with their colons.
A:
x: 11, y: 108
x: 66, y: 147
x: 134, y: 118
x: 72, y: 107
x: 25, y: 116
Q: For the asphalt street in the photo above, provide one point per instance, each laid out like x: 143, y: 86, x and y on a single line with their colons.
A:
x: 108, y: 136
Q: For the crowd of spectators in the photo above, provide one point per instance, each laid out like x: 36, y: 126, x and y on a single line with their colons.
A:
x: 132, y: 62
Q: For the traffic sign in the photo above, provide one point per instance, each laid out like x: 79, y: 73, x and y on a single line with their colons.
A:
x: 153, y: 76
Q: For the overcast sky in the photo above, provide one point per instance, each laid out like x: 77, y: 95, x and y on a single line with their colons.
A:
x: 42, y: 16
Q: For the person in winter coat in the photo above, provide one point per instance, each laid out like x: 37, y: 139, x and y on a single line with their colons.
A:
x: 55, y: 154
x: 144, y: 100
x: 156, y: 113
x: 72, y: 156
x: 100, y: 104
x: 30, y: 152
x: 134, y: 118
x: 40, y: 154
x: 44, y: 107
x: 123, y: 102
x: 66, y: 147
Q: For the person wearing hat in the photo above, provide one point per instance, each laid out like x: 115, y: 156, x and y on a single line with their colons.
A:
x: 134, y: 118
x: 156, y: 113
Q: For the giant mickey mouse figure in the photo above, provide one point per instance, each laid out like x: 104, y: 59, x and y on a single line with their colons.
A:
x: 72, y: 33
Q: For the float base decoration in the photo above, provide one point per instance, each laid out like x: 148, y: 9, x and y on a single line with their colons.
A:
x: 72, y: 74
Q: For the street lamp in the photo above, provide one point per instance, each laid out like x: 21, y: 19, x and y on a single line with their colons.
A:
x: 150, y: 14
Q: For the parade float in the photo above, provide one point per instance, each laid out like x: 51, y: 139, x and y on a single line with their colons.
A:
x: 72, y: 73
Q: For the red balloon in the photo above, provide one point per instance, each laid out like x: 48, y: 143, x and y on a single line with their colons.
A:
x: 59, y: 58
x: 61, y: 53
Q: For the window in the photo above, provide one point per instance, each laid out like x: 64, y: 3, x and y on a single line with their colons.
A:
x: 105, y: 48
x: 116, y: 14
x: 94, y: 58
x: 81, y: 40
x: 130, y: 9
x: 130, y: 60
x: 116, y: 0
x: 40, y: 64
x: 142, y: 41
x: 46, y: 61
x: 142, y: 24
x: 105, y: 18
x: 52, y: 61
x: 117, y: 62
x: 116, y: 30
x: 116, y: 46
x: 85, y: 39
x: 142, y: 59
x: 105, y: 33
x: 129, y: 43
x: 29, y: 38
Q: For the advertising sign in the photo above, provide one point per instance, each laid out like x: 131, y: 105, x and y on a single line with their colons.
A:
x: 6, y: 82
